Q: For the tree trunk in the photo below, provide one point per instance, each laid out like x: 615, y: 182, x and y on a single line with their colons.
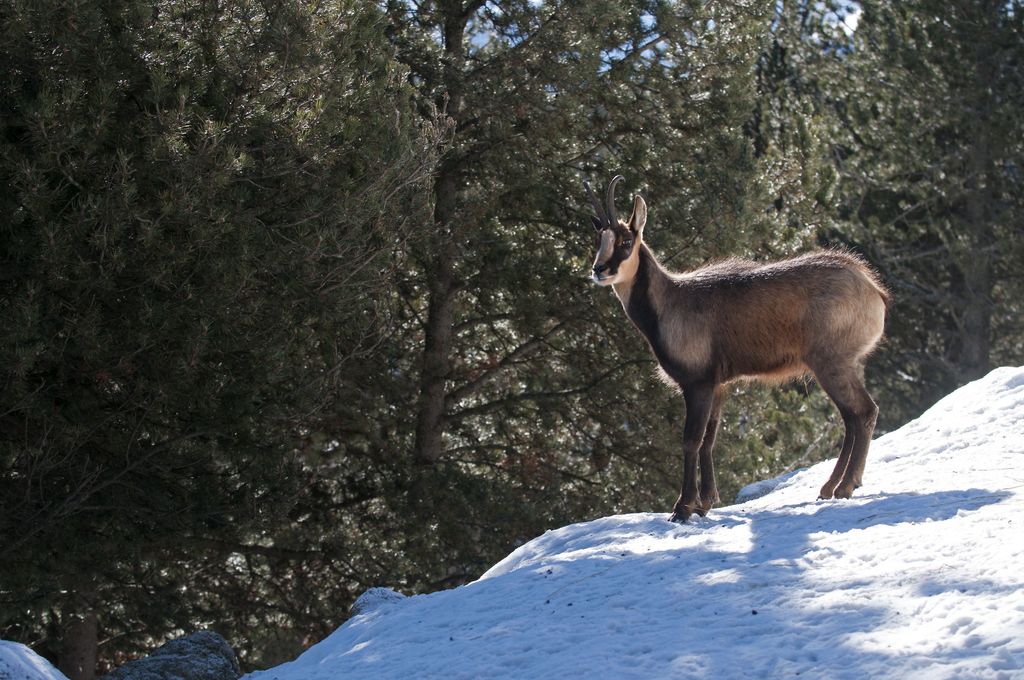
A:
x: 437, y: 334
x: 441, y: 284
x: 976, y: 267
x: 79, y: 651
x: 976, y: 321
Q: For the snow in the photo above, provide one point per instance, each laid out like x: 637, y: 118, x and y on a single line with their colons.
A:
x: 18, y: 662
x: 764, y: 486
x: 917, y: 576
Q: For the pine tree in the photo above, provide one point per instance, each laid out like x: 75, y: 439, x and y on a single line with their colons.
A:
x: 201, y: 231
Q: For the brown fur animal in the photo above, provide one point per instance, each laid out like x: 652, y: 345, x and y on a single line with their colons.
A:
x: 820, y: 313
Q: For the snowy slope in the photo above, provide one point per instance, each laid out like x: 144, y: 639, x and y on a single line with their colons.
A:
x: 18, y: 662
x: 918, y: 576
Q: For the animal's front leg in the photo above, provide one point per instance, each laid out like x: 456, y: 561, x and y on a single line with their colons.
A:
x: 708, y: 487
x: 699, y: 400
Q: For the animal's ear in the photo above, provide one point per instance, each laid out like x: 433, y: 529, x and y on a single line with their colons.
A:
x: 639, y: 217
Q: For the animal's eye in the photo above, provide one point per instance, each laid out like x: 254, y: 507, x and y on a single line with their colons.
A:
x: 627, y: 244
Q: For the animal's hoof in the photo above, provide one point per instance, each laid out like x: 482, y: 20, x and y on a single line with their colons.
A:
x: 704, y: 507
x: 683, y: 512
x: 707, y: 503
x: 844, y: 490
x: 826, y: 492
x: 679, y: 516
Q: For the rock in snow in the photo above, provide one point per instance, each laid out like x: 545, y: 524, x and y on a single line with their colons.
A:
x: 200, y: 656
x: 918, y: 576
x: 374, y: 598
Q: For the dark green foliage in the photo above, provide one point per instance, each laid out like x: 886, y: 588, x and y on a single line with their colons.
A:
x: 198, y: 225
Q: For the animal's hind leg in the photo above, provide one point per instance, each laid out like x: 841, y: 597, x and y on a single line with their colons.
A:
x: 867, y: 416
x: 845, y: 387
x: 849, y: 437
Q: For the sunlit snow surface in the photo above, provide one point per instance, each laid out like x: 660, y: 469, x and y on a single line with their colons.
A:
x: 920, y: 575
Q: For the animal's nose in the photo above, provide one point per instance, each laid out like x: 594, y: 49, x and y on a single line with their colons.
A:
x: 598, y: 268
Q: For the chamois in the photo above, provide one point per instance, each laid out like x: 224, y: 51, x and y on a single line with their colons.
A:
x: 821, y: 313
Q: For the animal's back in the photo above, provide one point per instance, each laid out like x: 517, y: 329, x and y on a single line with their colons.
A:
x: 770, y: 320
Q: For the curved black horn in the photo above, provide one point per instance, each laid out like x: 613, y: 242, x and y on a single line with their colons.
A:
x: 601, y: 216
x: 613, y: 218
